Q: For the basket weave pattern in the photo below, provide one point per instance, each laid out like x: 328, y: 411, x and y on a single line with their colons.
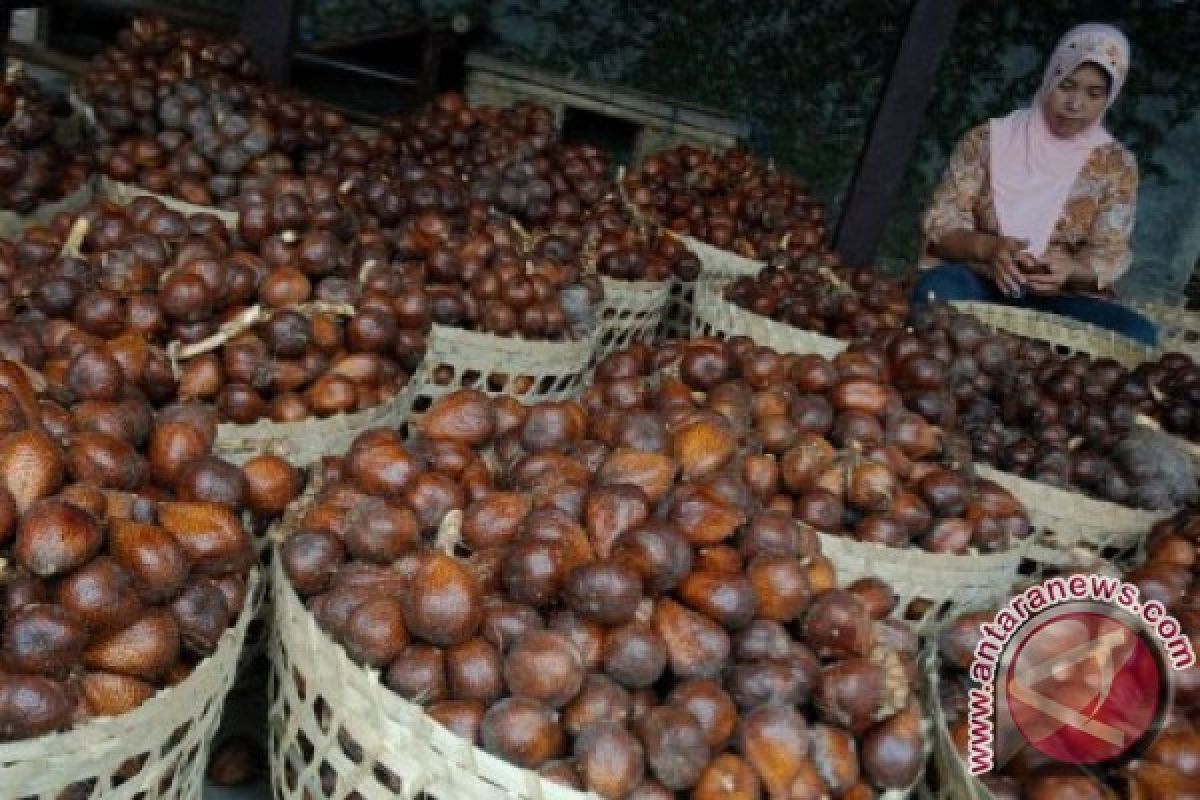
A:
x: 1178, y: 328
x: 531, y: 371
x: 680, y: 306
x: 950, y: 779
x: 952, y: 584
x: 303, y: 442
x: 630, y: 312
x: 1067, y: 335
x: 1071, y: 524
x: 159, y: 750
x: 716, y: 316
x: 335, y: 729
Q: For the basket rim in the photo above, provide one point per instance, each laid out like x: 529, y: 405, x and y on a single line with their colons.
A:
x: 87, y: 736
x: 709, y: 253
x: 1098, y: 342
x: 943, y: 746
x: 713, y: 309
x: 231, y: 432
x: 290, y: 612
x: 909, y: 553
x: 123, y: 192
x: 620, y: 285
x: 15, y: 223
x: 1093, y: 508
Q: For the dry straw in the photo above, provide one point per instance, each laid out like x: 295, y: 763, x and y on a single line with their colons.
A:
x: 157, y: 751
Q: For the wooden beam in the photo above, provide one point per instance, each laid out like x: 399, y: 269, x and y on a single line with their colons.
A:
x: 871, y: 200
x: 268, y: 27
x: 44, y: 57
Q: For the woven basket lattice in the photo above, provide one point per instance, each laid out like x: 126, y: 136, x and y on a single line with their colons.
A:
x: 158, y: 751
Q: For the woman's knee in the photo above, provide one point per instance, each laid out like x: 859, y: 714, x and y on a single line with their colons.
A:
x: 950, y: 282
x: 1140, y: 329
x: 1105, y: 314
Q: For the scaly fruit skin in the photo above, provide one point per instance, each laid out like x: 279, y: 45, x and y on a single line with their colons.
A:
x: 109, y: 694
x: 55, y: 537
x: 146, y: 649
x: 210, y: 534
x: 31, y: 467
x: 155, y: 559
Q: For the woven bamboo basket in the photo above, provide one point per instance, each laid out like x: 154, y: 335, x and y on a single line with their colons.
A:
x: 1074, y: 527
x: 677, y: 317
x: 125, y: 193
x: 950, y: 779
x: 158, y: 751
x: 331, y: 718
x: 630, y: 312
x: 335, y: 730
x: 300, y: 443
x: 304, y: 442
x: 12, y: 223
x: 531, y: 371
x: 713, y: 315
x: 716, y: 261
x: 1067, y: 335
x: 952, y: 584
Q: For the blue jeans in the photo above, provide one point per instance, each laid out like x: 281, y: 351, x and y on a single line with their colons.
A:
x: 957, y: 282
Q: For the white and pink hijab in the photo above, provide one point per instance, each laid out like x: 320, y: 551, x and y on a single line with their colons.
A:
x: 1032, y: 170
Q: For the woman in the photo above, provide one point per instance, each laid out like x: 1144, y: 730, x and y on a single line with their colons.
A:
x: 1035, y: 209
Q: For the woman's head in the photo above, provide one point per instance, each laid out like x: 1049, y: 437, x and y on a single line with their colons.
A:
x: 1083, y: 78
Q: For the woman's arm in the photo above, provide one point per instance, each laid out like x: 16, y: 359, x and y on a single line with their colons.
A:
x: 1107, y: 255
x: 949, y: 222
x: 952, y: 207
x: 966, y: 245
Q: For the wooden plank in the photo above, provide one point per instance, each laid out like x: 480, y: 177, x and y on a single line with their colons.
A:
x: 620, y: 102
x: 871, y: 200
x: 345, y: 65
x: 268, y: 27
x: 482, y: 86
x: 45, y: 57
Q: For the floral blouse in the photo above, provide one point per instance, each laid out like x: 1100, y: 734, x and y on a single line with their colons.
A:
x: 1096, y: 221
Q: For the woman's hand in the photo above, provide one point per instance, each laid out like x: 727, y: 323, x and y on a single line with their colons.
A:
x: 1057, y: 267
x: 1007, y: 260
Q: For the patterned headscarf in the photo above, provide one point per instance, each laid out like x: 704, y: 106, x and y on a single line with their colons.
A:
x: 1032, y: 170
x: 1089, y: 43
